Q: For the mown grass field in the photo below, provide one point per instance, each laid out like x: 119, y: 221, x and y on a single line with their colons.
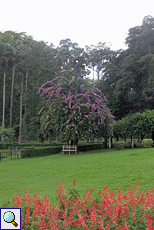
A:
x: 95, y: 169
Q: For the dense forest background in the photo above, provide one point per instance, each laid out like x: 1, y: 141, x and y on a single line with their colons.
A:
x: 126, y: 77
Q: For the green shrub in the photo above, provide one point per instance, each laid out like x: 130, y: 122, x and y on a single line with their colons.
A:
x: 138, y: 145
x: 25, y: 145
x: 3, y: 146
x: 119, y: 145
x: 89, y: 147
x: 44, y: 151
x: 128, y: 144
x: 147, y: 143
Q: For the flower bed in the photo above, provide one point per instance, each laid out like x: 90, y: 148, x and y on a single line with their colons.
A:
x: 134, y: 210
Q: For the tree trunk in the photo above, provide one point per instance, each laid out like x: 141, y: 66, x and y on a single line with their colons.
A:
x: 110, y: 142
x: 11, y: 103
x: 152, y: 135
x: 105, y: 143
x: 25, y: 134
x: 142, y: 137
x: 21, y: 100
x: 98, y: 74
x: 93, y: 73
x: 3, y: 117
x: 132, y: 141
x: 117, y: 137
x: 49, y: 137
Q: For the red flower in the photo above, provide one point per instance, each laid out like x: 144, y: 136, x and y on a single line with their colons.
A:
x: 74, y: 183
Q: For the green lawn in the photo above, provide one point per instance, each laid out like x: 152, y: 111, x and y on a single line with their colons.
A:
x: 95, y: 169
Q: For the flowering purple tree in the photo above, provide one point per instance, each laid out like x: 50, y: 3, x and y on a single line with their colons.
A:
x: 75, y: 109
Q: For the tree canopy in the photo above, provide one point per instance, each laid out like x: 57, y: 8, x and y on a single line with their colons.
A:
x: 75, y: 109
x: 125, y: 77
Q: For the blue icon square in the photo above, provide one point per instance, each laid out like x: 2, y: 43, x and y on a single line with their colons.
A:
x: 10, y: 218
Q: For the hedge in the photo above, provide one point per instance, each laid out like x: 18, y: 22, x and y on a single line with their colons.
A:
x: 44, y: 151
x: 83, y: 148
x: 23, y: 145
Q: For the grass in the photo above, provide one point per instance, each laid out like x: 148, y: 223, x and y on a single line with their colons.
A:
x: 94, y: 169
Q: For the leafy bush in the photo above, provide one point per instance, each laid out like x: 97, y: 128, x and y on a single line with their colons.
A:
x: 138, y: 145
x: 147, y: 143
x: 134, y: 210
x: 3, y: 146
x: 119, y: 145
x: 89, y: 147
x: 35, y: 152
x: 128, y: 144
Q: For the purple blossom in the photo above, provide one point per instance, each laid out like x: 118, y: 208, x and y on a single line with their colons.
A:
x: 44, y: 85
x: 77, y: 107
x: 72, y: 80
x: 76, y: 132
x: 94, y: 106
x: 86, y: 116
x: 94, y: 94
x: 63, y: 109
x: 49, y: 88
x: 105, y: 98
x: 61, y: 127
x: 68, y: 121
x: 103, y: 106
x: 81, y: 94
x: 64, y: 70
x: 97, y: 90
x: 58, y: 90
x: 68, y: 97
x: 74, y: 112
x: 57, y: 78
x: 86, y: 106
x: 42, y: 93
x: 69, y: 104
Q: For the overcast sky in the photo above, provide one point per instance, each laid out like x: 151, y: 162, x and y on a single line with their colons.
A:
x: 86, y: 22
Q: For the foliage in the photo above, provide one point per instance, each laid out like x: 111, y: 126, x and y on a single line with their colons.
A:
x: 123, y: 211
x: 7, y: 132
x: 119, y: 145
x: 135, y: 124
x: 127, y: 79
x: 37, y: 152
x: 75, y: 109
x: 147, y: 143
x: 89, y: 147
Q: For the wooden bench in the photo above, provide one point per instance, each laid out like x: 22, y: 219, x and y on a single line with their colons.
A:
x: 69, y: 148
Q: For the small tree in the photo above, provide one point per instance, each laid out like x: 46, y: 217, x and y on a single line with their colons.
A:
x: 8, y: 134
x: 75, y: 109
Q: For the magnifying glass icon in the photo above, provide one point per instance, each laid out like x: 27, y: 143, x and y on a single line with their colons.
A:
x: 9, y: 217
